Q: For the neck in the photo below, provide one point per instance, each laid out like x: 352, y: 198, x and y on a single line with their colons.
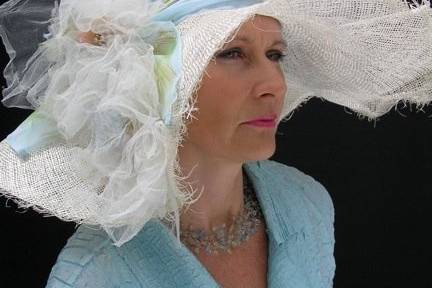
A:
x: 220, y: 183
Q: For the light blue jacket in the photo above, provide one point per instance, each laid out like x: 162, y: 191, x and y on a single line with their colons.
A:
x: 299, y: 216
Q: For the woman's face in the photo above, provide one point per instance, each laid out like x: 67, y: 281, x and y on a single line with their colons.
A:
x: 242, y: 83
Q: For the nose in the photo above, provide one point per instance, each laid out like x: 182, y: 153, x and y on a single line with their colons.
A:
x: 270, y: 79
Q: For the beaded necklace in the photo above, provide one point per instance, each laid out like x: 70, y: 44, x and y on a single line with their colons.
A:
x: 223, y: 238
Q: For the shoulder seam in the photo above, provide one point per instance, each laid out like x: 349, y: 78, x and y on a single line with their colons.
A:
x: 91, y: 259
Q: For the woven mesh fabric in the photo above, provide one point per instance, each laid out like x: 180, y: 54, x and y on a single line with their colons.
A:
x: 364, y: 55
x: 47, y: 181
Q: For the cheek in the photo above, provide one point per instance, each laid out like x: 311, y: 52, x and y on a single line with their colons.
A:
x: 220, y: 104
x: 221, y: 99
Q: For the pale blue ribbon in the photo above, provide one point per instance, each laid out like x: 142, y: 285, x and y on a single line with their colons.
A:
x: 180, y: 9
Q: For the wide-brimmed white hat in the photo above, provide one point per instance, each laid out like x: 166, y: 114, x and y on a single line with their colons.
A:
x: 101, y: 146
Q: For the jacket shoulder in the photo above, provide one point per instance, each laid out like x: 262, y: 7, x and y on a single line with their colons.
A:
x: 89, y: 259
x: 312, y: 191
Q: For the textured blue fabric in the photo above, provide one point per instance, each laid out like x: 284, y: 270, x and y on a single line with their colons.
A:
x: 180, y: 9
x: 299, y: 215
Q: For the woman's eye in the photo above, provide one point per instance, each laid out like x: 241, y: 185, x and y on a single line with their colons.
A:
x: 230, y: 54
x: 276, y: 56
x: 236, y: 53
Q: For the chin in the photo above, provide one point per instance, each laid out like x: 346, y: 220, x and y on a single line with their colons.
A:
x: 264, y: 152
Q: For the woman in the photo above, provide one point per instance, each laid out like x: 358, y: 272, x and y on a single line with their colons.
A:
x: 112, y: 133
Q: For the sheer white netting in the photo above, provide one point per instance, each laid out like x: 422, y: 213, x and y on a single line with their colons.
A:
x: 116, y: 162
x: 121, y: 158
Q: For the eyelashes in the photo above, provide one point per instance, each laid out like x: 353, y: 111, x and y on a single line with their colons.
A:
x: 237, y: 53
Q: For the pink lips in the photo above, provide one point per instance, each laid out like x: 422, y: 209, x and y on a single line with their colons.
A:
x: 263, y: 122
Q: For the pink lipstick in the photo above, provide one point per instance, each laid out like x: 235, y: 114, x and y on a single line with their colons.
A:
x: 269, y: 122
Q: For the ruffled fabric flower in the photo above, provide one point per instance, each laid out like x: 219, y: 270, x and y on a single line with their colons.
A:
x: 111, y: 100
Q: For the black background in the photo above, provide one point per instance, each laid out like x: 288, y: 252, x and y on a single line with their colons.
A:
x: 378, y: 175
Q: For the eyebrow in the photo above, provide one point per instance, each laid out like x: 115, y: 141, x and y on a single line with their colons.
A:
x: 246, y: 39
